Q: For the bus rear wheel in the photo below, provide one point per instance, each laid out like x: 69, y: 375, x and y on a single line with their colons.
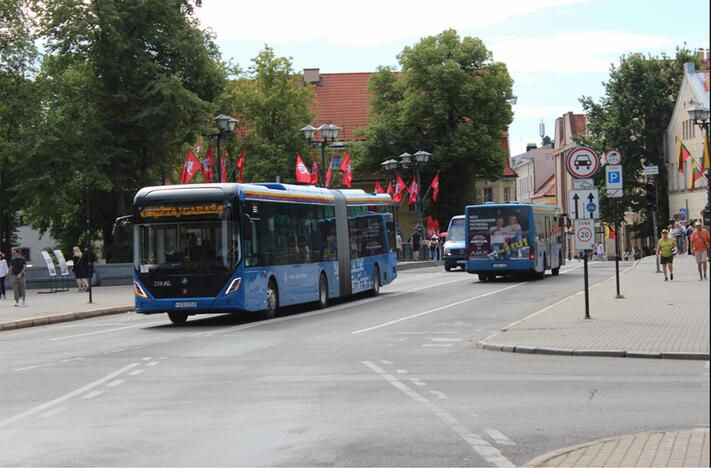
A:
x: 272, y: 300
x: 178, y: 318
x: 322, y: 292
x: 376, y: 281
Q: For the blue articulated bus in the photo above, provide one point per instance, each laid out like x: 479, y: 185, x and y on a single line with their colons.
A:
x: 213, y: 248
x: 513, y: 238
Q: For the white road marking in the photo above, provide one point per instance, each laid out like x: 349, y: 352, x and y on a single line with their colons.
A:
x: 437, y: 309
x: 417, y: 381
x: 440, y: 395
x: 32, y: 367
x: 146, y: 358
x: 105, y: 331
x: 136, y: 372
x: 152, y: 363
x: 66, y: 396
x: 487, y: 451
x: 92, y: 394
x: 115, y: 351
x: 499, y: 437
x: 401, y: 371
x: 115, y: 383
x: 72, y: 359
x: 388, y: 363
x: 52, y: 412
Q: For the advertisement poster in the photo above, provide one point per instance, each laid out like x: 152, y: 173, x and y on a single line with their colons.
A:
x: 62, y: 262
x: 50, y: 264
x: 499, y: 233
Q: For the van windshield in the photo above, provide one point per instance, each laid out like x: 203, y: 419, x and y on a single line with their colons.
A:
x: 455, y: 233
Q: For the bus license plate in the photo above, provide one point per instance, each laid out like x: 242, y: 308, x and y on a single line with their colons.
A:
x: 185, y: 305
x: 461, y: 262
x: 499, y: 265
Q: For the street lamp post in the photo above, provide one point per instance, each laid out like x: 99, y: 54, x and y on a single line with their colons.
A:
x: 226, y: 125
x: 417, y: 161
x: 390, y: 166
x: 700, y: 116
x: 329, y: 133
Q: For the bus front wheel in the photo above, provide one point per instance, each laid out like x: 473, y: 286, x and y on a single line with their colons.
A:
x: 178, y: 318
x: 376, y: 281
x: 272, y: 300
x: 322, y: 292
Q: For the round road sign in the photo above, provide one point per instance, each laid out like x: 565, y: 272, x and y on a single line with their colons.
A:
x: 582, y: 162
x: 613, y: 157
x: 584, y: 234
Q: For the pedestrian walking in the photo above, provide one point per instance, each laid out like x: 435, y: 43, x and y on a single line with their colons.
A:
x: 637, y: 253
x: 665, y: 252
x: 433, y: 247
x: 679, y: 232
x: 689, y: 232
x: 416, y: 240
x: 700, y: 246
x: 4, y: 270
x: 398, y: 245
x: 80, y: 269
x: 18, y: 267
x: 600, y: 252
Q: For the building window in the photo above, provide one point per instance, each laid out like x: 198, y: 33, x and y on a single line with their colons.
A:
x: 507, y: 194
x: 488, y: 194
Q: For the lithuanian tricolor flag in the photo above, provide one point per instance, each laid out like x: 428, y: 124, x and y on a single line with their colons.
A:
x: 683, y: 156
x: 696, y: 174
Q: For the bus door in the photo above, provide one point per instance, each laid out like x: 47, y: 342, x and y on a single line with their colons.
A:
x: 548, y: 241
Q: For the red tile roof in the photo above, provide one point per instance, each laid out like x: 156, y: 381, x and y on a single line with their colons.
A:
x: 343, y: 99
x: 547, y: 189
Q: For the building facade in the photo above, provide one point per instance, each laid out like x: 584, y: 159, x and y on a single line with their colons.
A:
x: 535, y: 168
x: 685, y: 203
x: 567, y: 127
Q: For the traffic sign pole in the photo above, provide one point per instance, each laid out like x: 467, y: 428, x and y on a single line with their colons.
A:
x: 585, y: 276
x: 617, y: 261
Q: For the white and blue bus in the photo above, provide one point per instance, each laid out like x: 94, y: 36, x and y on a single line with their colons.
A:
x: 455, y: 245
x: 213, y: 248
x: 513, y: 238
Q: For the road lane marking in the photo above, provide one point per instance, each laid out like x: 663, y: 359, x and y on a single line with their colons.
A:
x: 401, y: 371
x: 66, y: 396
x: 52, y: 412
x: 32, y: 367
x: 68, y: 337
x: 136, y: 372
x: 115, y: 383
x: 487, y: 451
x: 499, y: 437
x: 437, y: 309
x: 440, y: 395
x: 146, y: 358
x: 387, y: 363
x: 152, y: 363
x: 92, y: 394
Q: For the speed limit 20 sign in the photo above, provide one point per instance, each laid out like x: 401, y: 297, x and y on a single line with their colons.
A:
x: 584, y: 234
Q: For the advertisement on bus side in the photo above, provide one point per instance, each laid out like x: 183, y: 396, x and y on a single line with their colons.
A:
x: 499, y: 233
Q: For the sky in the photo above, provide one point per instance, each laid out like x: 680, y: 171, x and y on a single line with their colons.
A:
x: 556, y: 50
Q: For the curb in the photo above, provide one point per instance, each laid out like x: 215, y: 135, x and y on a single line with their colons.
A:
x: 66, y: 317
x: 541, y: 459
x: 484, y: 344
x: 418, y: 264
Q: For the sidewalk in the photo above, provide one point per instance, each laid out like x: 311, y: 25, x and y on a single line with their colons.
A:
x: 659, y: 448
x: 43, y: 309
x: 656, y: 319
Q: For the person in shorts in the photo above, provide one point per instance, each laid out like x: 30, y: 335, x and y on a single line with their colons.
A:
x: 665, y: 252
x: 700, y: 246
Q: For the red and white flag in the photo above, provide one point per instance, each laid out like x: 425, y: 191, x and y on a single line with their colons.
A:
x: 435, y: 186
x: 378, y: 188
x: 400, y: 187
x: 240, y: 165
x: 303, y: 176
x: 223, y: 167
x: 190, y: 167
x: 347, y: 170
x: 389, y: 190
x: 207, y: 162
x: 329, y: 173
x: 314, y: 170
x: 413, y: 191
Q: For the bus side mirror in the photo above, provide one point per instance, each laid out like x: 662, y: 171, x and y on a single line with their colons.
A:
x: 118, y: 232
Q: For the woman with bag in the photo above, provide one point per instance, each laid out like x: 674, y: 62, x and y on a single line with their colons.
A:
x: 4, y: 270
x: 80, y: 269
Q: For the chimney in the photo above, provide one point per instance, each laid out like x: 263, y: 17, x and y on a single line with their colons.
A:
x: 312, y: 75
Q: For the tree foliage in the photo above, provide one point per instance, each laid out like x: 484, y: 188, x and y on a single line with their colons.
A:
x: 450, y: 99
x: 632, y: 117
x: 124, y: 84
x: 272, y: 104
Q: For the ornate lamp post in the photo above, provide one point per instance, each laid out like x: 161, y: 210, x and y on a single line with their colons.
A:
x: 417, y: 162
x: 226, y: 125
x: 329, y: 133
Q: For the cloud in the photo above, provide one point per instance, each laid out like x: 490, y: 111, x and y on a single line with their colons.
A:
x: 356, y: 23
x: 579, y: 52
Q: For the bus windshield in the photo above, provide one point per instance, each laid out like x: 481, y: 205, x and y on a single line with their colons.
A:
x: 188, y: 246
x: 455, y: 233
x: 499, y: 233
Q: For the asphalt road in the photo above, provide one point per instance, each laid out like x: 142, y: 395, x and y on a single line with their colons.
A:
x: 394, y: 380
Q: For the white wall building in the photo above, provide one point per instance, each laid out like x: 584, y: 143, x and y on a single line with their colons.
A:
x: 534, y: 168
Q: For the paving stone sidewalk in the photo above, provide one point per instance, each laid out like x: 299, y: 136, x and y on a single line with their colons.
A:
x: 42, y: 309
x: 655, y: 319
x: 659, y: 448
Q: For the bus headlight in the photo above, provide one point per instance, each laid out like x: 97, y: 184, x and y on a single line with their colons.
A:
x: 138, y: 290
x: 234, y: 286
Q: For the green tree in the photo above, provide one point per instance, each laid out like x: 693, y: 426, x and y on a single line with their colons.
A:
x: 632, y: 117
x: 124, y: 85
x: 450, y: 98
x: 272, y: 104
x: 18, y: 103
